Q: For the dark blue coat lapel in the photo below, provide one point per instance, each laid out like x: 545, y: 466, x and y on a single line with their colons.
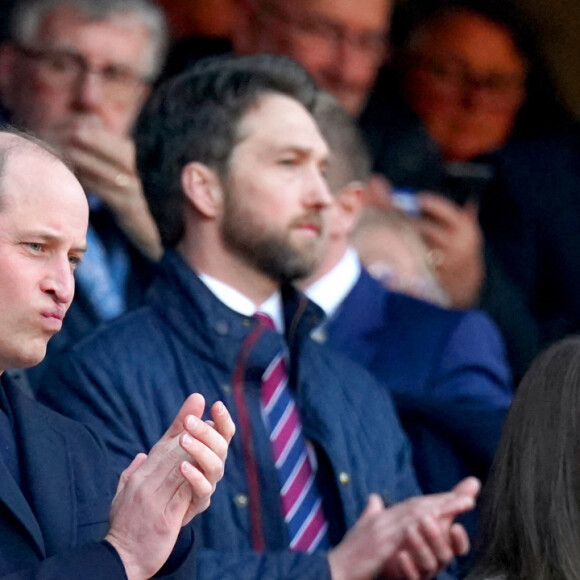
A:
x: 10, y: 493
x: 360, y: 316
x: 47, y: 477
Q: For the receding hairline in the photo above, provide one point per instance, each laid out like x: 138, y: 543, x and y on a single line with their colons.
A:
x: 14, y: 142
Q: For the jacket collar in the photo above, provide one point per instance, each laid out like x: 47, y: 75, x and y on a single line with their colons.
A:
x: 200, y: 319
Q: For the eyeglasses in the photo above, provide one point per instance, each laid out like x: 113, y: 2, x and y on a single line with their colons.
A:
x: 66, y: 69
x: 453, y: 78
x: 333, y: 35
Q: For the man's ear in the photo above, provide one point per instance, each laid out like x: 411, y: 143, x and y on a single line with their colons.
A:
x: 350, y: 202
x: 202, y: 187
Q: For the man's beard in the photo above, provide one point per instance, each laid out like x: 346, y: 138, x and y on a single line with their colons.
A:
x: 269, y: 252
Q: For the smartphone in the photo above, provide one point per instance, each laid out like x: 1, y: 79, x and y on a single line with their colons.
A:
x: 466, y: 181
x: 405, y: 200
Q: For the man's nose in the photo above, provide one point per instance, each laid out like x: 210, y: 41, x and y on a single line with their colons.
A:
x: 318, y: 193
x: 89, y: 90
x: 59, y: 281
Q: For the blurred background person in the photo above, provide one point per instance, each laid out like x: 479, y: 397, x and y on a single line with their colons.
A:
x: 76, y: 73
x: 467, y: 78
x: 446, y: 369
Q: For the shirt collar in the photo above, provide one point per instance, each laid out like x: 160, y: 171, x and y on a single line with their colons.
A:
x: 330, y: 290
x: 241, y: 304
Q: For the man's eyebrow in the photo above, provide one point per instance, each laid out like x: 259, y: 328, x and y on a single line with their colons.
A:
x: 302, y: 150
x: 51, y: 238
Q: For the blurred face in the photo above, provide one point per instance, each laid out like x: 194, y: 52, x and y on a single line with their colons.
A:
x: 275, y: 191
x: 340, y: 42
x: 43, y: 224
x: 77, y: 70
x: 466, y: 80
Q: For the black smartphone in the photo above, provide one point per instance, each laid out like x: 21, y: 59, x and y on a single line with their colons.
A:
x: 466, y: 181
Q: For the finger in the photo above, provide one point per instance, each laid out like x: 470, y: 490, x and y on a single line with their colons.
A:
x: 374, y: 505
x: 438, y: 207
x: 459, y: 540
x: 92, y: 169
x: 469, y: 486
x: 202, y: 456
x: 193, y: 405
x: 408, y: 567
x: 434, y: 235
x: 420, y: 551
x: 438, y: 540
x: 184, y: 504
x: 452, y: 504
x: 207, y: 435
x: 137, y: 462
x: 223, y: 422
x: 103, y: 146
x: 201, y: 489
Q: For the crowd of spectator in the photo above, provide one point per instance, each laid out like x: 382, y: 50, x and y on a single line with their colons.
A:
x: 342, y: 230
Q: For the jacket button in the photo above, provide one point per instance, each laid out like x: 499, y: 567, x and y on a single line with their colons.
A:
x: 319, y: 335
x: 344, y: 478
x: 222, y: 327
x: 247, y: 322
x: 241, y: 500
x: 227, y: 389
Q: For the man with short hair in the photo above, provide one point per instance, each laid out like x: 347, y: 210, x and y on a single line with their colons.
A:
x: 56, y: 519
x: 233, y: 167
x: 343, y: 45
x: 76, y: 73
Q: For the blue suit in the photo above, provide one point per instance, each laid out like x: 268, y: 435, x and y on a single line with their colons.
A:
x: 445, y: 369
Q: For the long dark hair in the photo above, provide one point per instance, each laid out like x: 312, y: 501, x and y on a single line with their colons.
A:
x: 530, y: 524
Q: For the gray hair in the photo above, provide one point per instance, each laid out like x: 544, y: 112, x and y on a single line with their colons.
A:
x: 27, y: 17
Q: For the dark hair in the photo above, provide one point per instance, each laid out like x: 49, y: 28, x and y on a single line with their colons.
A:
x: 544, y: 106
x: 530, y: 524
x: 350, y: 157
x: 195, y: 116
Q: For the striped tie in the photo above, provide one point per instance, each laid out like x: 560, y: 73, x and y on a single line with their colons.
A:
x: 301, y: 501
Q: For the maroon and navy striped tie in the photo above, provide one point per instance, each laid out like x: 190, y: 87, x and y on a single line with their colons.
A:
x: 301, y: 502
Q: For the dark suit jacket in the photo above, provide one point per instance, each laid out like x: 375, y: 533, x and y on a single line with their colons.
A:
x: 52, y: 525
x: 446, y: 370
x: 537, y: 197
x: 63, y: 501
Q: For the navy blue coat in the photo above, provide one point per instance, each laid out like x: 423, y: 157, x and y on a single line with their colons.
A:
x: 50, y: 526
x: 446, y: 370
x: 130, y: 377
x: 52, y: 522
